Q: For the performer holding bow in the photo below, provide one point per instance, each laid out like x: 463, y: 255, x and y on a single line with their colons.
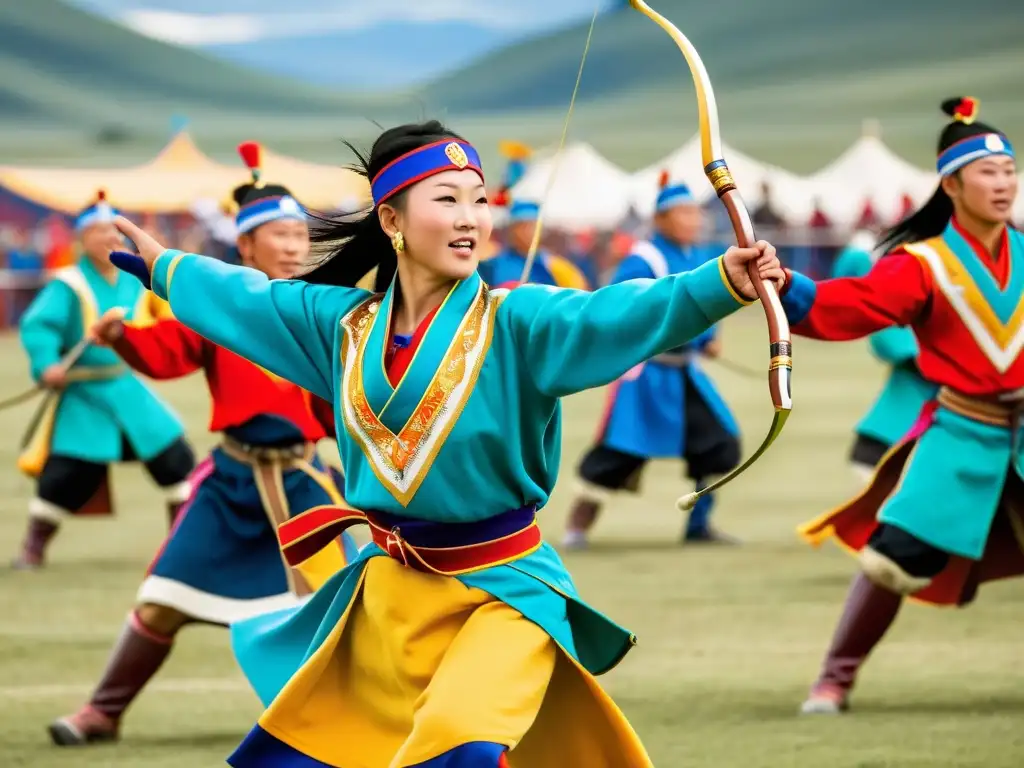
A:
x: 457, y: 636
x: 905, y: 392
x: 222, y: 561
x: 98, y: 412
x: 505, y: 268
x: 943, y: 512
x: 667, y: 407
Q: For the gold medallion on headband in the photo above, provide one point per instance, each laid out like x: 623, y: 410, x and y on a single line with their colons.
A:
x: 457, y: 155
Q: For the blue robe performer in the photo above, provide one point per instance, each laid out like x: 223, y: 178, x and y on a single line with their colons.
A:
x: 666, y: 407
x: 98, y: 412
x: 905, y: 392
x: 457, y: 637
x: 221, y: 562
x: 943, y: 513
x: 505, y: 268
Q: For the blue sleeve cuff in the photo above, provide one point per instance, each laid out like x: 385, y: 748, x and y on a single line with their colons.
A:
x: 798, y: 297
x: 163, y: 268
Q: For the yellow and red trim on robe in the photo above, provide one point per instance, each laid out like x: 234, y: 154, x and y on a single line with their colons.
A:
x: 447, y: 549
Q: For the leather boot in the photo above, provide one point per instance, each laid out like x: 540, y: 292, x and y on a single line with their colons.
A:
x: 33, y: 549
x: 137, y: 656
x: 581, y: 519
x: 869, y: 612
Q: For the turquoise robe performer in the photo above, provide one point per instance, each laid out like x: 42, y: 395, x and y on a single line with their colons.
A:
x: 505, y: 268
x: 221, y: 562
x: 942, y: 514
x: 905, y: 392
x: 99, y: 412
x: 667, y: 407
x: 450, y: 461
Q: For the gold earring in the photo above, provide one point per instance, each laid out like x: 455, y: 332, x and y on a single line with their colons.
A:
x: 398, y: 242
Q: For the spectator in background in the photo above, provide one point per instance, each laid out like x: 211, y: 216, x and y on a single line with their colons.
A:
x: 506, y: 268
x: 767, y: 221
x: 823, y: 252
x: 907, y: 207
x: 580, y: 251
x: 869, y: 220
x: 26, y: 270
x: 59, y: 250
x: 766, y: 218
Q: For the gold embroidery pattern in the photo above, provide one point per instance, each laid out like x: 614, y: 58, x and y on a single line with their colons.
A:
x: 401, y: 461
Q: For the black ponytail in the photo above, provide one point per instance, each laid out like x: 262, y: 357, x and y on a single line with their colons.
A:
x: 348, y: 247
x: 928, y: 221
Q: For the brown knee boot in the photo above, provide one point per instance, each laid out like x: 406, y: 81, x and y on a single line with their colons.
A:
x: 33, y: 549
x: 137, y: 656
x: 869, y: 611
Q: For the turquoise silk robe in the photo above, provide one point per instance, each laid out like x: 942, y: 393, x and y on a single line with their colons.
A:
x: 486, y: 438
x: 91, y: 416
x: 905, y: 391
x: 952, y: 481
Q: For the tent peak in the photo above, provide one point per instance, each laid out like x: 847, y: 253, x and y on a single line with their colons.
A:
x: 871, y: 128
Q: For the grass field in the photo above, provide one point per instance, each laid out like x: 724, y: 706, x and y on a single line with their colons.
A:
x: 729, y: 639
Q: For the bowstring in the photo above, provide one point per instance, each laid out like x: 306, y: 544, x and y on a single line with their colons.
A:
x: 531, y: 254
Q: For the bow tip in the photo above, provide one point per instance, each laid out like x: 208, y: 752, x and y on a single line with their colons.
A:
x: 687, y: 502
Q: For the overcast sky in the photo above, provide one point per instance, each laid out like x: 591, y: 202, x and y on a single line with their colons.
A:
x: 218, y: 22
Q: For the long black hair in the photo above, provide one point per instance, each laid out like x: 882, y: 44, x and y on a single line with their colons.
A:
x: 928, y: 221
x: 348, y: 247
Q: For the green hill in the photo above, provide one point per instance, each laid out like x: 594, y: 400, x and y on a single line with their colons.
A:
x: 794, y: 78
x: 794, y: 81
x: 62, y: 67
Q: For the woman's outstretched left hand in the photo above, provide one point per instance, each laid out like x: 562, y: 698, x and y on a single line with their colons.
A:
x: 768, y: 267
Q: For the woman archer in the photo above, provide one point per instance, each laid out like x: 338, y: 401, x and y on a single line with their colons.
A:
x: 456, y: 638
x: 943, y: 512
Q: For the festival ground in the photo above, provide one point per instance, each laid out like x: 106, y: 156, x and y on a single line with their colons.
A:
x: 729, y: 639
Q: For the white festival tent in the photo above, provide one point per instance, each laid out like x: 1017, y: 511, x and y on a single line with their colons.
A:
x: 588, y: 190
x: 792, y: 196
x: 591, y: 191
x: 870, y: 171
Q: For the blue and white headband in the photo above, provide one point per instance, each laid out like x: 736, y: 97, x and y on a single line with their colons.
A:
x: 421, y: 163
x: 99, y: 213
x: 268, y: 209
x: 970, y: 149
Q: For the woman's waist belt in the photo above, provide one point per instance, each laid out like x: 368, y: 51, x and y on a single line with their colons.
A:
x: 266, y: 454
x: 996, y: 410
x: 448, y: 549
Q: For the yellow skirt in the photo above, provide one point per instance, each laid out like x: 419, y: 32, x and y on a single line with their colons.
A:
x: 421, y: 664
